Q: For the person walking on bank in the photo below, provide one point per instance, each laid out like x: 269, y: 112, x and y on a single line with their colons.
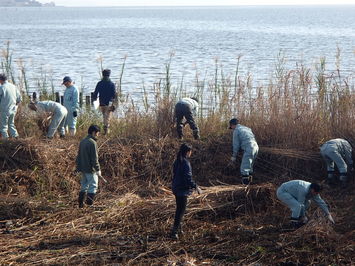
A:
x: 182, y: 186
x: 338, y: 151
x: 188, y: 108
x: 58, y: 113
x: 10, y: 98
x: 71, y: 102
x: 87, y: 162
x: 243, y: 138
x: 297, y: 195
x: 107, y: 94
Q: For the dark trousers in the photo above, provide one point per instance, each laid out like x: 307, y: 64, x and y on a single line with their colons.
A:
x: 181, y: 111
x: 181, y: 202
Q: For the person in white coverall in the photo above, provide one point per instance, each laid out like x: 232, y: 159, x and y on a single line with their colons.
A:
x: 10, y: 97
x: 243, y: 138
x: 338, y: 152
x: 297, y: 195
x: 71, y: 102
x: 58, y: 112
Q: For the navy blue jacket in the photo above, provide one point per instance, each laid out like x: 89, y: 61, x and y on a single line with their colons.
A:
x: 182, y: 178
x: 107, y: 91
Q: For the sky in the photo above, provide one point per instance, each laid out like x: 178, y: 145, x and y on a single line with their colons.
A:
x: 194, y: 2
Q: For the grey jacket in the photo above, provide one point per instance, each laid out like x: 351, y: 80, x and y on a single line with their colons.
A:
x: 192, y: 103
x: 50, y: 107
x: 343, y: 147
x: 10, y: 97
x: 243, y: 137
x: 300, y: 190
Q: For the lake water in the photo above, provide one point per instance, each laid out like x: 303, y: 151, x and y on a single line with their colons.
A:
x: 68, y: 41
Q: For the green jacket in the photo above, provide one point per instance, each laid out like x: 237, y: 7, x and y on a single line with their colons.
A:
x: 87, y: 160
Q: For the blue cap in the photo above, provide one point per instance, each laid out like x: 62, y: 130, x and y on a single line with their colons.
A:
x: 67, y: 79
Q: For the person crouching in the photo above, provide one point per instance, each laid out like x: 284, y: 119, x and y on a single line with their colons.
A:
x: 56, y: 112
x: 297, y: 195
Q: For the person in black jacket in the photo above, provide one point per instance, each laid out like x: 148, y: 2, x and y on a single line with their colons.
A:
x: 182, y: 185
x: 107, y: 94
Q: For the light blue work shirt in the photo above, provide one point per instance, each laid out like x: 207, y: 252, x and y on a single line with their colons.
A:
x: 71, y: 99
x: 243, y: 138
x: 10, y: 96
x: 301, y: 191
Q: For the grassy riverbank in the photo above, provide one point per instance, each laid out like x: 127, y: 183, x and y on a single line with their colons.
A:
x: 228, y: 224
x: 291, y: 116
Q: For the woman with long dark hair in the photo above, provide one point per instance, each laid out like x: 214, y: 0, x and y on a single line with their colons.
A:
x: 182, y: 185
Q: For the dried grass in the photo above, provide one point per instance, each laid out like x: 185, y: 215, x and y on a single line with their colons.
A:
x: 129, y: 223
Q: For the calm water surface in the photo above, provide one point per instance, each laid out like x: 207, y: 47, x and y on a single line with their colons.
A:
x: 68, y: 41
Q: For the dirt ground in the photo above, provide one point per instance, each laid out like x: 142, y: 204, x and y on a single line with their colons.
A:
x: 229, y: 224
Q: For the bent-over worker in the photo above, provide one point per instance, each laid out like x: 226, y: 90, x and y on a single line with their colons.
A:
x: 58, y: 116
x: 297, y: 195
x: 187, y: 108
x: 338, y: 152
x: 243, y: 138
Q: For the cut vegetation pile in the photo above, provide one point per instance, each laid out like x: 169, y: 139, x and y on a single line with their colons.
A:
x: 227, y: 224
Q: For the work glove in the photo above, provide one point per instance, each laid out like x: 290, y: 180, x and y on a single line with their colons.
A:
x: 75, y: 113
x: 199, y: 191
x: 330, y: 218
x: 233, y: 159
x: 99, y: 173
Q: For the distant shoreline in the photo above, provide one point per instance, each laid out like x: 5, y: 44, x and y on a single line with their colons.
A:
x: 177, y: 7
x: 24, y: 3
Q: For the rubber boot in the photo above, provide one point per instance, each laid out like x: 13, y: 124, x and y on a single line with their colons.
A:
x: 90, y: 198
x: 81, y: 199
x: 180, y: 134
x: 196, y: 134
x: 174, y: 234
x: 246, y: 179
x: 343, y: 180
x: 180, y: 231
x: 330, y: 178
x: 105, y: 130
x: 296, y: 223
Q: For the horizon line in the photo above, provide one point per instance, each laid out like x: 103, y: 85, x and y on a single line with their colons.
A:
x: 240, y: 5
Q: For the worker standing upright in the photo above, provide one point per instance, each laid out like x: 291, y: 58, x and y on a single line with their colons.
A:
x: 338, y: 151
x: 10, y: 97
x: 106, y: 90
x: 243, y: 138
x: 71, y: 102
x: 87, y: 162
x: 182, y: 186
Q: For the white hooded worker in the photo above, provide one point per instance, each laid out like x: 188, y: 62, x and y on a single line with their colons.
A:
x: 297, y: 195
x: 338, y: 152
x: 58, y: 113
x: 243, y: 138
x: 71, y: 102
x: 10, y: 97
